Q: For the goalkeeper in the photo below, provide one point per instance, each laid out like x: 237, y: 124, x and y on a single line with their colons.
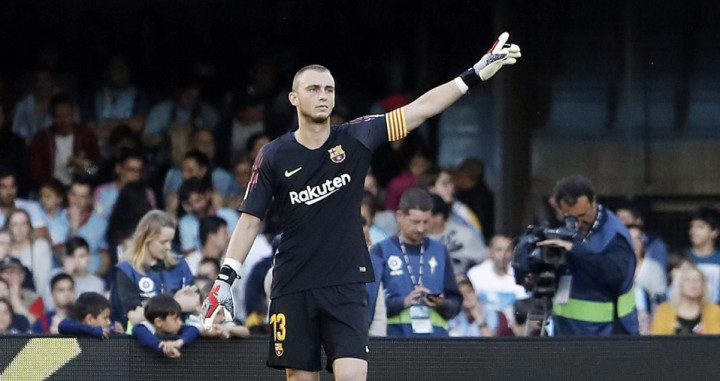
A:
x: 315, y: 176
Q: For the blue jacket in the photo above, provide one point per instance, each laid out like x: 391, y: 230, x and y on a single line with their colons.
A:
x: 438, y: 277
x: 602, y: 266
x: 131, y: 288
x: 374, y: 287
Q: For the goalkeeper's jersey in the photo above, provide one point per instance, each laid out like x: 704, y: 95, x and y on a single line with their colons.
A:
x: 318, y: 195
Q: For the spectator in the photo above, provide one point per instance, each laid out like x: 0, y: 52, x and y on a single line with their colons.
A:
x: 688, y: 311
x: 408, y: 178
x: 384, y: 219
x: 466, y: 247
x: 601, y: 262
x: 150, y: 268
x: 122, y: 140
x: 9, y: 202
x: 13, y: 149
x: 650, y: 281
x: 118, y: 102
x: 214, y: 239
x: 62, y: 289
x: 53, y: 201
x: 254, y: 143
x: 208, y: 268
x: 439, y: 182
x: 655, y: 247
x: 243, y: 172
x: 83, y: 221
x: 470, y: 321
x: 186, y: 112
x: 89, y: 316
x: 24, y: 301
x: 19, y: 323
x: 704, y: 231
x: 32, y: 112
x: 6, y: 318
x: 420, y: 300
x: 131, y: 205
x: 75, y: 263
x: 66, y: 148
x: 34, y: 253
x: 248, y: 118
x: 494, y: 281
x: 162, y: 315
x: 128, y: 169
x: 472, y: 190
x: 368, y: 210
x: 197, y: 164
x: 196, y: 199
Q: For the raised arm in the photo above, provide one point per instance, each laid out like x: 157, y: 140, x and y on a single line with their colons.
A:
x: 438, y: 99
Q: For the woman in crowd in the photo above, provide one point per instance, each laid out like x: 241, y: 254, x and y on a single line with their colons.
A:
x: 149, y: 268
x: 688, y: 310
x: 33, y: 253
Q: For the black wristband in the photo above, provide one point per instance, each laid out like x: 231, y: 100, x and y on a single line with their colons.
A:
x: 228, y: 275
x: 470, y: 77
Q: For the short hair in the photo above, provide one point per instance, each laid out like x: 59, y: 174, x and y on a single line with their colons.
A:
x: 82, y: 181
x: 200, y: 158
x: 56, y: 186
x: 210, y: 225
x: 415, y: 198
x: 194, y: 185
x: 371, y: 202
x: 161, y: 306
x: 59, y: 277
x: 59, y: 99
x: 90, y: 303
x: 633, y: 209
x: 440, y: 206
x: 429, y: 177
x: 252, y: 139
x: 708, y: 215
x: 130, y: 153
x: 570, y: 189
x: 473, y: 167
x: 74, y: 243
x: 314, y: 67
x: 6, y: 170
x: 214, y: 261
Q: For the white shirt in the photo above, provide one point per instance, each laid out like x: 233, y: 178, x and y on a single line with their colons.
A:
x: 63, y: 151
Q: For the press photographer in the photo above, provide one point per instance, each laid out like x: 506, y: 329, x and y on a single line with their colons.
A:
x: 588, y: 275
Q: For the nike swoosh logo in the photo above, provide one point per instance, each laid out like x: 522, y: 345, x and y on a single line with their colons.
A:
x: 290, y: 173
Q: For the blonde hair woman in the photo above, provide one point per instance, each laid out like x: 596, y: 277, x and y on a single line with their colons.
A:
x: 688, y: 310
x: 149, y: 268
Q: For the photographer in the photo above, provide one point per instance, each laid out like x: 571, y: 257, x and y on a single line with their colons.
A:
x: 595, y: 295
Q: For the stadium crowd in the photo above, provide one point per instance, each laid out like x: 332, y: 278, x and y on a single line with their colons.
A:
x: 124, y: 196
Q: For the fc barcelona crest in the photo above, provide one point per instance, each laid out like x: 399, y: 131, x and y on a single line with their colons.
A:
x: 337, y: 155
x: 278, y: 349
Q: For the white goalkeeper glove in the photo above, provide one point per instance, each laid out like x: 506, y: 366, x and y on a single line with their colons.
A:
x: 219, y: 298
x: 500, y: 54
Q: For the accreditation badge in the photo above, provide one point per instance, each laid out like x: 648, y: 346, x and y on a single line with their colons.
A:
x: 420, y: 320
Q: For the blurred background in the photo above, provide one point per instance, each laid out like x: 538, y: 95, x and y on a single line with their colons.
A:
x: 624, y: 92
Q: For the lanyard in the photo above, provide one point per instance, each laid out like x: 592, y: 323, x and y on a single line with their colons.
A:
x: 407, y: 263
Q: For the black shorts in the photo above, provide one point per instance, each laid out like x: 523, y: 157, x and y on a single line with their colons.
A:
x: 334, y: 317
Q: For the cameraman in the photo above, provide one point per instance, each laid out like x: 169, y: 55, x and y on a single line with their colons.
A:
x: 595, y: 296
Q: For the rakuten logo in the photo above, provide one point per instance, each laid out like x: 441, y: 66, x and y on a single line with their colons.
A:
x: 311, y: 195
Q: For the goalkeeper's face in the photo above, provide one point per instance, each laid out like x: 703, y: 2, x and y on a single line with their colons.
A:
x: 314, y: 95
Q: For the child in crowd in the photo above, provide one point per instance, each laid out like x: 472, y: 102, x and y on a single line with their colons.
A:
x: 704, y: 231
x: 89, y: 316
x: 6, y: 318
x: 163, y: 317
x: 62, y: 290
x: 53, y: 200
x: 76, y: 262
x: 190, y: 300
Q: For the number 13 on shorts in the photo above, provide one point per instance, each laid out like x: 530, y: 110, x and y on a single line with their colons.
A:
x: 278, y: 325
